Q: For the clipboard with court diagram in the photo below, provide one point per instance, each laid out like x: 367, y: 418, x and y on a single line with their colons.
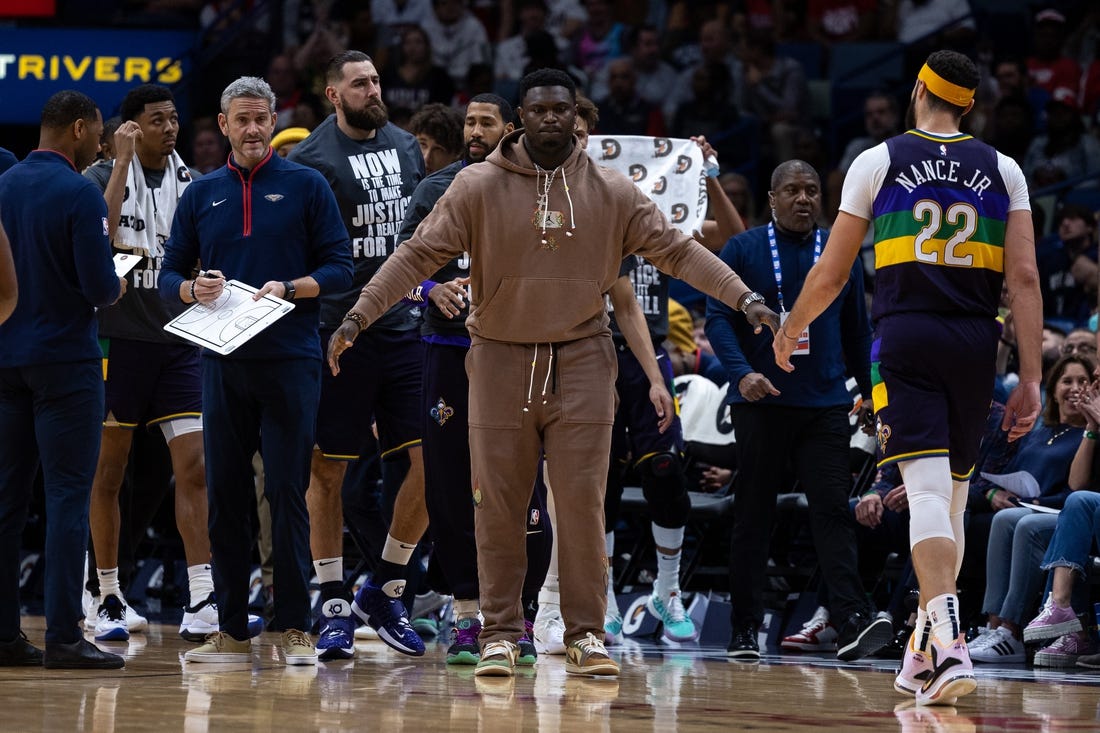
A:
x: 229, y: 321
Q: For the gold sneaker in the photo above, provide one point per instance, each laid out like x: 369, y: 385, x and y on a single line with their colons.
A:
x: 298, y: 648
x: 589, y: 656
x: 221, y: 647
x: 498, y: 659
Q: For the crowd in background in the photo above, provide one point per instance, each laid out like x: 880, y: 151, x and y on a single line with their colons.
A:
x: 739, y: 71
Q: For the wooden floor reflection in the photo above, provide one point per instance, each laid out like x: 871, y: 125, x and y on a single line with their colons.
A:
x: 661, y: 690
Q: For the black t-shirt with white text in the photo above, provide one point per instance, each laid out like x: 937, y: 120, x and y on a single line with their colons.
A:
x: 372, y: 180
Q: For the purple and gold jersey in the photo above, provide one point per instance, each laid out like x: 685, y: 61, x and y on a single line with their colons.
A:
x: 938, y: 205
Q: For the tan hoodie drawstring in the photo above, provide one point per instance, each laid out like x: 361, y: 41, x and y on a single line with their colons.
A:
x: 542, y: 194
x: 545, y: 381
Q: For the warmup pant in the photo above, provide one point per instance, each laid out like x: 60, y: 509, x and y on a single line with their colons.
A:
x: 449, y: 498
x: 570, y: 405
x: 242, y: 400
x: 815, y: 442
x: 50, y: 414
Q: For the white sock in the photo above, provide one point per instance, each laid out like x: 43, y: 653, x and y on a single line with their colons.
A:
x: 668, y: 566
x: 466, y: 609
x: 200, y: 583
x: 943, y: 613
x: 549, y: 596
x: 108, y: 583
x: 922, y: 633
x: 396, y: 551
x: 550, y: 585
x: 329, y: 570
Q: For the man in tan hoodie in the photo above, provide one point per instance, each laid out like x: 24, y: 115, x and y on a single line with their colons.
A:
x: 542, y: 366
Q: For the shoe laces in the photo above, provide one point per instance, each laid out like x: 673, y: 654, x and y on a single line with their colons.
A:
x: 528, y: 631
x: 217, y: 639
x: 294, y: 637
x: 590, y: 645
x: 498, y: 648
x: 674, y: 607
x: 389, y: 610
x: 819, y: 620
x: 112, y: 609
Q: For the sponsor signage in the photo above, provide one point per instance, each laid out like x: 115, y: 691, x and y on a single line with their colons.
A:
x: 102, y: 63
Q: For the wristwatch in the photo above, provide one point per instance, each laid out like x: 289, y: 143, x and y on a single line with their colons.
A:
x: 288, y: 290
x: 749, y: 298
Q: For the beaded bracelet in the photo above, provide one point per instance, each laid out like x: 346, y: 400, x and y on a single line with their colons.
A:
x: 357, y: 319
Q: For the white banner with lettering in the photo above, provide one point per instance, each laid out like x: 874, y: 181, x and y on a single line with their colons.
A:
x: 668, y: 170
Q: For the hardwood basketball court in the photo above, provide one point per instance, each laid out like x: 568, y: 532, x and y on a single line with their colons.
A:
x: 662, y: 689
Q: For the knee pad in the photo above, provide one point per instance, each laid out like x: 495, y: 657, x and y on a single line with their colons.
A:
x: 929, y: 488
x: 662, y: 476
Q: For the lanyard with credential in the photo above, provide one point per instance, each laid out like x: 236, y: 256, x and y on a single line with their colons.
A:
x: 775, y: 260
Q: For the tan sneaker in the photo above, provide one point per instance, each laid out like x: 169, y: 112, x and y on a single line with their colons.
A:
x: 498, y: 659
x: 221, y: 647
x: 298, y: 648
x: 589, y: 656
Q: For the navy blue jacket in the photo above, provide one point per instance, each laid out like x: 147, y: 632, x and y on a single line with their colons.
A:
x: 278, y: 221
x: 57, y: 223
x: 839, y: 338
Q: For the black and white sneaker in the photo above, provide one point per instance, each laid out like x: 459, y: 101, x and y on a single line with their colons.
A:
x: 862, y: 635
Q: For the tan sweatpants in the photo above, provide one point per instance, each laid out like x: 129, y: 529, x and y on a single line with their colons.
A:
x: 569, y: 393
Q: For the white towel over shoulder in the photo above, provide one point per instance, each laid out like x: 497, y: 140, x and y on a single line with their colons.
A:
x: 153, y: 207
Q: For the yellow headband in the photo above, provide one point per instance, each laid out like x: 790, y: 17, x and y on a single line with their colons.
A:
x: 944, y: 89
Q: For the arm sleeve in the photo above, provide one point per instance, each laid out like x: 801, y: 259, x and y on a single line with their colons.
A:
x: 330, y: 243
x: 92, y: 249
x: 181, y: 251
x: 863, y: 181
x: 719, y: 327
x: 1015, y: 183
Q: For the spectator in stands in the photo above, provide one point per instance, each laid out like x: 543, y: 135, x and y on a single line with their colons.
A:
x: 654, y: 78
x: 622, y: 111
x: 938, y: 23
x: 1067, y: 557
x: 542, y: 53
x: 1049, y: 68
x: 1066, y: 150
x: 708, y: 110
x: 208, y: 151
x: 1013, y: 80
x: 438, y: 132
x: 1052, y: 456
x: 395, y: 16
x: 286, y: 140
x: 1011, y: 127
x: 106, y: 144
x: 738, y: 189
x: 1067, y: 266
x: 511, y: 51
x: 458, y: 39
x: 600, y: 40
x: 715, y: 46
x: 328, y: 36
x: 415, y: 79
x: 309, y: 112
x: 567, y: 17
x: 880, y: 120
x: 835, y: 21
x: 775, y: 91
x: 282, y: 76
